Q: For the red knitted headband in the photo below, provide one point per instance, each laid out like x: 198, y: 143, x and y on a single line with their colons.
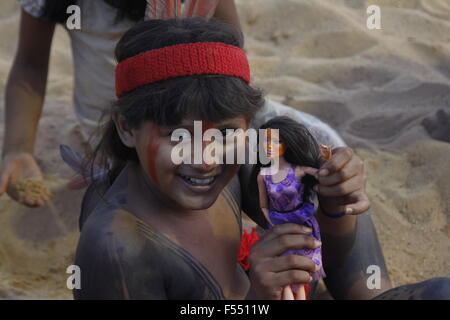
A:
x: 181, y: 60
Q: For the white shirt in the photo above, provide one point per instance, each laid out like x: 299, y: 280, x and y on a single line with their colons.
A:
x: 93, y: 53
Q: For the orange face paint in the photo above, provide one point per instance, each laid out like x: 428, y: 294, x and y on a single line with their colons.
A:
x: 273, y: 150
x: 153, y: 148
x: 207, y: 125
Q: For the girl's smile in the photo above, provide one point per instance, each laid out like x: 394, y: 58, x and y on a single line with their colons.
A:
x: 199, y: 183
x: 182, y: 186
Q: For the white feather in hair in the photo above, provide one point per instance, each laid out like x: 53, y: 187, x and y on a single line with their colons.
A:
x: 169, y: 9
x: 75, y: 161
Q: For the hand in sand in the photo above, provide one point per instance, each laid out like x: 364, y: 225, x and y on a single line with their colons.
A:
x: 22, y: 179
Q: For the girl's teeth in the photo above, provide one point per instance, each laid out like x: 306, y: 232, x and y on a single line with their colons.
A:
x: 202, y: 182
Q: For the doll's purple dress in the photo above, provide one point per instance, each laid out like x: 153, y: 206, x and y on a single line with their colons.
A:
x: 287, y: 205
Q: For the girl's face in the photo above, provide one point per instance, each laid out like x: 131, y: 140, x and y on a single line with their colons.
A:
x: 274, y: 148
x: 183, y: 186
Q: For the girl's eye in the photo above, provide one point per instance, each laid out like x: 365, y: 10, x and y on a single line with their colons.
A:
x: 180, y: 134
x: 227, y: 132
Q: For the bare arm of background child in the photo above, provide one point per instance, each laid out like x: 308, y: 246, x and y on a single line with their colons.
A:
x: 25, y: 92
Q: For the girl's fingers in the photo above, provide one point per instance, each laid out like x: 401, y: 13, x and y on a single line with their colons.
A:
x: 287, y: 242
x: 342, y: 189
x: 340, y: 176
x: 281, y: 229
x: 292, y: 261
x: 300, y: 294
x: 361, y: 206
x: 311, y: 171
x: 287, y: 293
x: 341, y: 156
x: 354, y: 203
x: 291, y: 277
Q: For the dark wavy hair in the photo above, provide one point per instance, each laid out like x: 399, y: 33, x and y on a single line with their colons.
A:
x: 208, y: 97
x: 301, y: 148
x: 55, y: 10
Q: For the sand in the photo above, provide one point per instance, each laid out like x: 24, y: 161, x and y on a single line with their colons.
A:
x: 31, y: 189
x: 386, y: 91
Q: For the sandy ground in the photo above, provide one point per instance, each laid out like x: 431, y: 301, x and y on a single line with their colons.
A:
x: 386, y: 91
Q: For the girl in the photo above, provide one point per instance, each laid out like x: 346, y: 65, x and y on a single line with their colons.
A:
x: 166, y: 231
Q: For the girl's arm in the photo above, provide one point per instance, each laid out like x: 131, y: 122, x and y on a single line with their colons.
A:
x: 263, y: 201
x: 25, y: 92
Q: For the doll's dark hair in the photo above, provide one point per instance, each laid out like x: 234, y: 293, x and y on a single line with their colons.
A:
x: 301, y: 148
x: 208, y: 97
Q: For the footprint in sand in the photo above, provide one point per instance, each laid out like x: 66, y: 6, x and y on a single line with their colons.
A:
x: 342, y: 74
x: 434, y: 54
x: 438, y: 125
x: 332, y: 112
x: 334, y: 45
x: 381, y: 126
x: 437, y: 8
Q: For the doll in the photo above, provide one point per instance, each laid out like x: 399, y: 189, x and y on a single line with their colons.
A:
x: 285, y: 194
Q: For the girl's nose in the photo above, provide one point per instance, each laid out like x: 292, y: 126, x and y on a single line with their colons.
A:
x: 209, y: 159
x: 204, y: 167
x: 211, y: 154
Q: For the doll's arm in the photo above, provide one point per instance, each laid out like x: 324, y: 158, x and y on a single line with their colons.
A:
x: 263, y: 201
x: 299, y: 173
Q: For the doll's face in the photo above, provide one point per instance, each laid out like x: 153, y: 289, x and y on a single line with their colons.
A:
x: 274, y: 148
x: 185, y: 186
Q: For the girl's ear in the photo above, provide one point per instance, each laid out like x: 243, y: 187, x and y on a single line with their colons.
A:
x: 125, y: 133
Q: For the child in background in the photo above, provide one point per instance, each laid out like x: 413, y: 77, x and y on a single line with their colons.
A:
x: 103, y: 23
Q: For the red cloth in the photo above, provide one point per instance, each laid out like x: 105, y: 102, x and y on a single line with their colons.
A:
x: 307, y: 289
x: 181, y: 60
x: 244, y: 251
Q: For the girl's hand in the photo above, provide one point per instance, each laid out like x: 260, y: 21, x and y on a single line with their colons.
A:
x: 19, y: 167
x: 342, y: 184
x: 269, y: 272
